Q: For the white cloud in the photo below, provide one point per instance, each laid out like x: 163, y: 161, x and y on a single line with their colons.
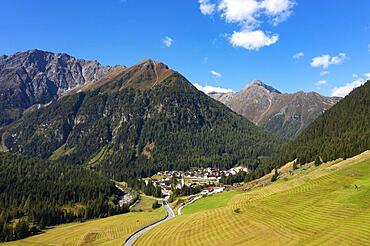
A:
x: 326, y: 60
x: 239, y: 10
x: 208, y: 89
x: 338, y: 59
x: 216, y: 74
x: 298, y: 55
x: 276, y: 6
x: 249, y: 15
x: 344, y: 90
x: 168, y: 41
x: 252, y: 40
x: 321, y: 82
x: 279, y: 10
x: 206, y: 7
x: 368, y: 47
x: 249, y: 11
x: 324, y: 73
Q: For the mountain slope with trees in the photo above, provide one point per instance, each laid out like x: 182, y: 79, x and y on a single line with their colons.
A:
x: 147, y: 118
x: 36, y: 193
x: 342, y: 131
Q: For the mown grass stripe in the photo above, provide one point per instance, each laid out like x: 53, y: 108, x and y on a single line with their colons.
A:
x: 318, y: 207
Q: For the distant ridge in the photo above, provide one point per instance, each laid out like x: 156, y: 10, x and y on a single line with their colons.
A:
x: 283, y: 113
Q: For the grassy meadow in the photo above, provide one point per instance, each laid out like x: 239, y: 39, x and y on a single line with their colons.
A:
x: 325, y: 205
x: 214, y: 201
x: 144, y: 204
x: 108, y: 231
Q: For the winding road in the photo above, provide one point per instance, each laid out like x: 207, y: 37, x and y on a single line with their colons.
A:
x: 170, y: 214
x: 179, y: 211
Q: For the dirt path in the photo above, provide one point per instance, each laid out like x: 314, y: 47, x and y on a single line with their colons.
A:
x: 156, y: 73
x: 263, y: 114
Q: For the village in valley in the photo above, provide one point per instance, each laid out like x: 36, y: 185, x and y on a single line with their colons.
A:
x: 207, y: 178
x: 193, y: 184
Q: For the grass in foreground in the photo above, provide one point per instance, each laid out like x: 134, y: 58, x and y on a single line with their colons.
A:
x: 108, y: 231
x: 214, y: 201
x: 327, y: 205
x: 179, y: 201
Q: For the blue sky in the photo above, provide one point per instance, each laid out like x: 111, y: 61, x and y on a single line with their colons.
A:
x: 239, y: 40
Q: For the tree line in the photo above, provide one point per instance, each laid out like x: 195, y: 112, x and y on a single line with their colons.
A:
x: 35, y: 194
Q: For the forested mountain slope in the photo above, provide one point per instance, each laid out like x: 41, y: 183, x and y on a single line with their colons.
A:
x: 36, y: 193
x: 144, y: 119
x: 342, y: 131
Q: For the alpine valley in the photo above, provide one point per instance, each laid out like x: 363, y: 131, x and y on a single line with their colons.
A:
x: 184, y: 123
x: 126, y: 149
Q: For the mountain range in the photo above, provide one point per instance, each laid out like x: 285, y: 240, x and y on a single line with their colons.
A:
x: 55, y: 106
x: 283, y: 113
x: 136, y: 121
x: 129, y: 122
x: 34, y: 78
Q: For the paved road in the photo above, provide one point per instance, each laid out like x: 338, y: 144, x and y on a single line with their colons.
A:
x: 179, y: 211
x: 170, y: 214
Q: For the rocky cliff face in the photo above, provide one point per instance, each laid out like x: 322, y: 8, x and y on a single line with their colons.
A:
x: 283, y: 113
x: 38, y: 77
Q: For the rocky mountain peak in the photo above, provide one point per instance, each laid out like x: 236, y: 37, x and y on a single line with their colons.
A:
x: 146, y: 74
x: 259, y: 84
x: 287, y: 114
x: 38, y: 77
x: 33, y: 52
x: 151, y: 64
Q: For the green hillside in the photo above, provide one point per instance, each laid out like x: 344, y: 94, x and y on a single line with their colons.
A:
x: 325, y: 205
x: 35, y: 194
x: 342, y: 131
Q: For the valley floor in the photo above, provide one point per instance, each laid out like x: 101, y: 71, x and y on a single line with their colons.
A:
x: 325, y: 205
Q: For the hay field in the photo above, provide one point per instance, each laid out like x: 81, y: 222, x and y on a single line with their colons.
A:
x: 325, y: 205
x: 109, y: 231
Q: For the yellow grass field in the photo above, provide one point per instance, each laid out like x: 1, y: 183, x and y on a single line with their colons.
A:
x: 144, y: 204
x: 325, y: 205
x: 108, y: 231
